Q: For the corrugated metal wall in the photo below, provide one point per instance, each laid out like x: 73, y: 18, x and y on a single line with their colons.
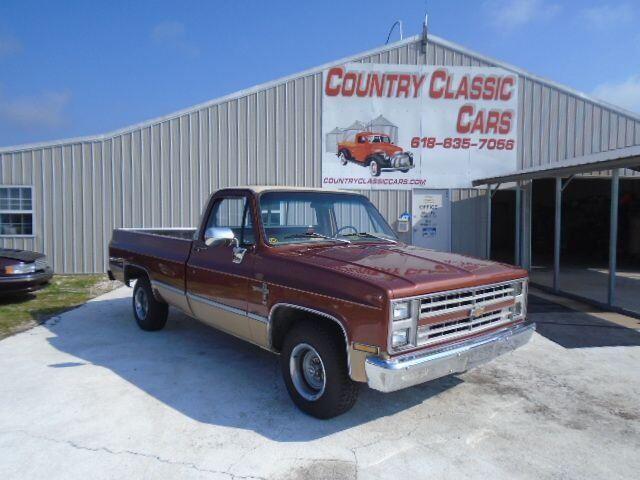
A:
x: 159, y: 174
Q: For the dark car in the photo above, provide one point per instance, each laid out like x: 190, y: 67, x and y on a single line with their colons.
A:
x: 22, y: 271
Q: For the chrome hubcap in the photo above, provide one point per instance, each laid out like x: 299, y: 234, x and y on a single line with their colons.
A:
x: 374, y: 168
x: 307, y: 371
x: 141, y: 303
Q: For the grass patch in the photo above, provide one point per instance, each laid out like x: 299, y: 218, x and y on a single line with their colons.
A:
x: 64, y: 292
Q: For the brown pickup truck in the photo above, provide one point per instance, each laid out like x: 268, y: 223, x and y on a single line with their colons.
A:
x: 319, y: 277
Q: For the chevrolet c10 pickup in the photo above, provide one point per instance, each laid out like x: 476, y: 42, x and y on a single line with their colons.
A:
x: 319, y: 277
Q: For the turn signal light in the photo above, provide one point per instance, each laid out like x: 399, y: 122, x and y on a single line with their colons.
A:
x: 20, y: 268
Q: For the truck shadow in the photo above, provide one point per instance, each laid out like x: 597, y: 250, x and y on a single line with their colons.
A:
x: 208, y: 375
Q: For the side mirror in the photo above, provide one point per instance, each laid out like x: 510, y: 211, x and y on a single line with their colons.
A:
x: 216, y: 236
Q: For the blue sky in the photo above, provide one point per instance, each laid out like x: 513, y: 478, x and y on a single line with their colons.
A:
x: 72, y: 68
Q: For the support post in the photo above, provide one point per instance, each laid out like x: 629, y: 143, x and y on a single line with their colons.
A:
x: 489, y: 198
x: 613, y: 235
x: 518, y: 257
x: 527, y: 224
x: 557, y: 236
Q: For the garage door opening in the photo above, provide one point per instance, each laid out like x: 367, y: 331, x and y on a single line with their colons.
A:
x: 584, y: 246
x: 542, y: 231
x: 503, y: 226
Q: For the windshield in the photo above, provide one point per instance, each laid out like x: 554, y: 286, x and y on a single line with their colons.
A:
x: 314, y: 217
x: 379, y: 139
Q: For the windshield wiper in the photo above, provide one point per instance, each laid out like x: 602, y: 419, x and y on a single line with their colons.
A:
x: 315, y: 235
x: 371, y: 235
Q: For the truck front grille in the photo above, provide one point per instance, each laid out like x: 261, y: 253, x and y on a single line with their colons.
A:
x: 448, y: 315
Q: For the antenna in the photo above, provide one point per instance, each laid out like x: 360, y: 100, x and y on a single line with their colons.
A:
x: 399, y: 23
x: 425, y: 28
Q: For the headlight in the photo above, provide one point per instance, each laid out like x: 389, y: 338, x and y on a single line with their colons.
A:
x: 401, y: 311
x: 400, y: 338
x: 520, y: 295
x: 20, y: 268
x: 41, y: 263
x: 517, y: 288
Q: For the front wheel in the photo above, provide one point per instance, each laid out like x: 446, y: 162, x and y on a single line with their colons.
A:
x: 342, y: 156
x: 150, y: 314
x: 314, y: 366
x: 374, y: 168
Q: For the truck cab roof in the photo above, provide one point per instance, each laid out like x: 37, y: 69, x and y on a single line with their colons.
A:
x: 280, y: 188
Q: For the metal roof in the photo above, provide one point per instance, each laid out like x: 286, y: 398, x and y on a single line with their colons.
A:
x: 628, y: 157
x: 243, y: 93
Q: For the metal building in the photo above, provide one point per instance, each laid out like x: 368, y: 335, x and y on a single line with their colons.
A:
x: 158, y: 173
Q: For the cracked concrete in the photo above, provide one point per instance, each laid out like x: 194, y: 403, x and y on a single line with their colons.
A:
x: 88, y: 395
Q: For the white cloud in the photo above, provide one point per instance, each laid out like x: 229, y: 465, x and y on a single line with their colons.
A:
x: 173, y: 35
x: 510, y: 14
x: 9, y: 46
x: 624, y: 94
x: 608, y: 16
x: 44, y: 111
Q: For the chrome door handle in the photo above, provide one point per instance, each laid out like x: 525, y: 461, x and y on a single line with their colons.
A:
x: 238, y: 254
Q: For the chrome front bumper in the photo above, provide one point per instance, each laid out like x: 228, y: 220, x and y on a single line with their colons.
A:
x: 396, y: 169
x: 412, y: 369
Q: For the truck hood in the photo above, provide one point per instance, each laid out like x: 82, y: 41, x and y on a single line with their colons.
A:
x: 387, y: 148
x: 405, y: 270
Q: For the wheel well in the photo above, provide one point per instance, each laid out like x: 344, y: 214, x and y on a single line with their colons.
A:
x: 346, y: 152
x: 132, y: 272
x: 373, y: 156
x: 284, y: 317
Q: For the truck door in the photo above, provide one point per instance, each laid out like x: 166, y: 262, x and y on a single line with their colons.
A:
x: 217, y: 276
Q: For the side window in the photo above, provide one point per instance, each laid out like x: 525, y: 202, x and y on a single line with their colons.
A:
x: 233, y: 213
x: 16, y: 211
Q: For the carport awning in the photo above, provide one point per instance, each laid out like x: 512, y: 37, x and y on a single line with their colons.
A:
x: 628, y: 157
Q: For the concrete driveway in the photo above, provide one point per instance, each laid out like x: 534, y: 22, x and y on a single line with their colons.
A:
x: 89, y: 395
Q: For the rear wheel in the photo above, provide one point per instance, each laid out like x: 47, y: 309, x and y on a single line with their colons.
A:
x: 314, y: 366
x: 150, y: 314
x: 343, y: 157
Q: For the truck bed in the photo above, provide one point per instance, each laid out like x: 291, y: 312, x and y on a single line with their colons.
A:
x: 181, y: 233
x: 163, y: 253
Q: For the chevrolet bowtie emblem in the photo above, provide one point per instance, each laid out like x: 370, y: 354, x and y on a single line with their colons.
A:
x: 478, y: 311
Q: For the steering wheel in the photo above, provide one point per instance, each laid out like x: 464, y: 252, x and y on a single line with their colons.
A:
x: 355, y: 230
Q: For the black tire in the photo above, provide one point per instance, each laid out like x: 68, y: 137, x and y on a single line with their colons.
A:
x: 404, y: 170
x: 153, y: 316
x: 343, y: 156
x: 339, y: 393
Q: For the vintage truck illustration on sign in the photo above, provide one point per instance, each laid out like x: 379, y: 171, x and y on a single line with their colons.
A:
x: 318, y: 277
x: 376, y: 151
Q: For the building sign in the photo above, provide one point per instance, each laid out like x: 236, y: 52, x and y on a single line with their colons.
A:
x: 431, y: 219
x: 404, y: 126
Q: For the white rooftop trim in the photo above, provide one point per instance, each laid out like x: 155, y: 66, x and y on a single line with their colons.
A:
x: 263, y: 86
x: 285, y: 188
x: 617, y: 158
